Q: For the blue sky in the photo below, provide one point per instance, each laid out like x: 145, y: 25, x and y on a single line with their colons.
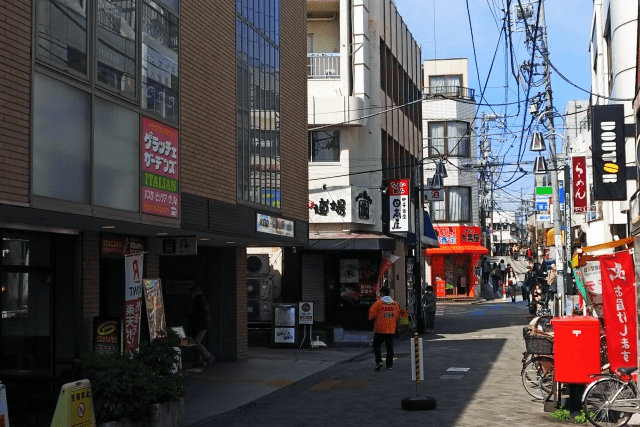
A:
x: 568, y: 29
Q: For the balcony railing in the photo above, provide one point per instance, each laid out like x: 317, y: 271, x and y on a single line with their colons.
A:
x: 323, y: 65
x: 450, y: 92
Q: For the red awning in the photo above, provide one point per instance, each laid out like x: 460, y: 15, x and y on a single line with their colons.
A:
x: 457, y: 249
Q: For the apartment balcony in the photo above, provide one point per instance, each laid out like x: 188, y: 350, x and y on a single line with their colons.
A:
x: 451, y: 92
x: 323, y: 66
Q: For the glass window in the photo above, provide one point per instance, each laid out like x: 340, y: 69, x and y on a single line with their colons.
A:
x: 445, y: 85
x: 61, y: 140
x: 116, y: 46
x: 449, y: 139
x: 160, y: 83
x: 62, y: 33
x: 456, y: 206
x: 324, y: 146
x: 116, y: 158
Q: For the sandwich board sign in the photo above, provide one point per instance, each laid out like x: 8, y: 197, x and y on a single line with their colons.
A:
x: 75, y: 406
x: 4, y: 410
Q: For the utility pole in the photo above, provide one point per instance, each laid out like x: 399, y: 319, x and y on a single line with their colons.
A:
x: 557, y: 214
x: 417, y: 264
x: 485, y: 178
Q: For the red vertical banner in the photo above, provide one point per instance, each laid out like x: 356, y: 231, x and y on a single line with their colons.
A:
x: 579, y: 169
x: 132, y: 301
x: 619, y: 306
x: 385, y: 265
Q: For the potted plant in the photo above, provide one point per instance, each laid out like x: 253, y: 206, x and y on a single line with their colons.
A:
x: 144, y: 389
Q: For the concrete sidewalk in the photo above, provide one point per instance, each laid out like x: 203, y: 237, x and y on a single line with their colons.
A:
x: 226, y: 386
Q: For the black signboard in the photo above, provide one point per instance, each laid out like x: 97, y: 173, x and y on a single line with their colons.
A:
x: 609, y: 165
x: 107, y: 335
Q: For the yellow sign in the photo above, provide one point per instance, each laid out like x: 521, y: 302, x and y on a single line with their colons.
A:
x: 75, y: 406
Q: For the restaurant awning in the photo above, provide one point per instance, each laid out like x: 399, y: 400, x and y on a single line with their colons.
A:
x: 458, y: 249
x: 429, y: 237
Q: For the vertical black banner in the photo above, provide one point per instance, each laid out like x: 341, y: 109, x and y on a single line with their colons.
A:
x: 607, y: 139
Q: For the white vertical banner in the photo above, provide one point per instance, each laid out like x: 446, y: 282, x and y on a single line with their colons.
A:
x: 132, y: 301
x: 399, y: 206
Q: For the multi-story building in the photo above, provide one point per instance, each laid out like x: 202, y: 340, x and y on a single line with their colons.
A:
x: 364, y: 84
x: 165, y: 127
x: 448, y: 120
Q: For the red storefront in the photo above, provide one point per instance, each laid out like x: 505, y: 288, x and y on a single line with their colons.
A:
x: 453, y: 263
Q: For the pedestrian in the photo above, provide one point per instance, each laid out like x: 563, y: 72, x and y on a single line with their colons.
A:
x: 495, y: 277
x: 429, y: 306
x: 385, y: 313
x: 199, y: 321
x: 528, y: 285
x: 529, y: 254
x: 512, y: 282
x: 486, y: 269
x: 503, y: 271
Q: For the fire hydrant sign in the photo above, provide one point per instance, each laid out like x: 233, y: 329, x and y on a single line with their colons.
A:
x: 75, y: 406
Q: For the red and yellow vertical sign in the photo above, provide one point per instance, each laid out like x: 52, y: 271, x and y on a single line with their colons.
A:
x: 133, y: 301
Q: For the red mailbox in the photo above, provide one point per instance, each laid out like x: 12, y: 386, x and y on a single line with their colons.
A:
x: 576, y: 349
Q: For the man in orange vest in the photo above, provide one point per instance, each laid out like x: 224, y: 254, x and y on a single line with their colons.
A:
x: 386, y: 313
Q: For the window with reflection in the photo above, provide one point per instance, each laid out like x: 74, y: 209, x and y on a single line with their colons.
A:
x: 449, y: 139
x: 258, y: 101
x: 62, y: 33
x: 324, y: 146
x: 456, y: 206
x: 116, y: 45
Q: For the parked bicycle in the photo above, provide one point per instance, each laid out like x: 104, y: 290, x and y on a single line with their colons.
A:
x: 612, y: 399
x: 537, y: 360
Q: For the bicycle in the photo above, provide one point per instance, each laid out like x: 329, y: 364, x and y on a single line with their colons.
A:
x: 611, y: 400
x: 538, y: 364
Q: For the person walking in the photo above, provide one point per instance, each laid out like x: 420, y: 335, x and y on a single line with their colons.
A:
x: 385, y: 313
x: 429, y: 306
x: 199, y: 323
x: 486, y: 269
x: 528, y: 284
x: 503, y: 270
x: 512, y: 281
x: 495, y: 277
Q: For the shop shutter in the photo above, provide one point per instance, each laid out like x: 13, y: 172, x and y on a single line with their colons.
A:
x: 313, y: 284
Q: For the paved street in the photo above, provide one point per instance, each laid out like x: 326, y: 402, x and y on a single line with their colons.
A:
x: 342, y: 387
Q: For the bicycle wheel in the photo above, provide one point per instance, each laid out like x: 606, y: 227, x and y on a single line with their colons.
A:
x: 533, y: 372
x: 598, y: 402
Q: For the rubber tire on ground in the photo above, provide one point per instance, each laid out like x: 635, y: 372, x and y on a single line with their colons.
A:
x: 418, y: 403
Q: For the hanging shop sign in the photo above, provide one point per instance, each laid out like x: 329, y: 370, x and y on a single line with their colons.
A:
x: 272, y: 225
x: 160, y: 191
x: 593, y: 285
x: 399, y: 206
x: 432, y: 195
x: 107, y: 335
x: 579, y: 169
x: 117, y: 246
x: 155, y: 308
x: 619, y: 305
x: 607, y: 141
x: 132, y: 301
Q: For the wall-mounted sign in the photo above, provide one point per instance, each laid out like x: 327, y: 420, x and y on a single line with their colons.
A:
x: 579, y: 168
x: 272, y: 225
x: 179, y: 245
x: 607, y: 141
x: 349, y: 270
x: 106, y: 335
x: 340, y: 205
x: 544, y: 218
x: 118, y: 246
x: 305, y: 313
x: 399, y: 205
x: 434, y: 195
x: 160, y: 192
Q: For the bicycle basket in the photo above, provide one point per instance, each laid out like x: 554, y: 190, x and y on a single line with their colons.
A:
x: 538, y: 345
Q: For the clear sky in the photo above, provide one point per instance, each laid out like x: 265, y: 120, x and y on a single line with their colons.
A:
x: 443, y: 30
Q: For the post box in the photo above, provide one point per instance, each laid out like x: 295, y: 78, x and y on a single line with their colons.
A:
x: 576, y: 349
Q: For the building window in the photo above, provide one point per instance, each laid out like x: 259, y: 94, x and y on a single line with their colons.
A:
x: 456, y: 206
x: 258, y: 101
x: 449, y: 139
x: 445, y: 85
x: 324, y: 146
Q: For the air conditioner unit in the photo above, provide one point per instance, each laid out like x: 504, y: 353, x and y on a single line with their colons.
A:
x: 260, y: 288
x: 258, y: 310
x: 253, y: 288
x: 266, y: 288
x: 258, y: 264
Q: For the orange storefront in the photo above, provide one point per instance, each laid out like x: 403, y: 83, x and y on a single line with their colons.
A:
x: 453, y: 263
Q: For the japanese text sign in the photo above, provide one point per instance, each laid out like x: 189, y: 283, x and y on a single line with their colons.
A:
x: 160, y: 177
x: 133, y: 301
x: 75, y: 406
x: 579, y: 168
x: 619, y: 305
x: 399, y: 206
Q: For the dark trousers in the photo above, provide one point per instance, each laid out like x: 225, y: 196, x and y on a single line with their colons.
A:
x: 485, y: 278
x: 526, y: 293
x: 494, y: 283
x: 429, y: 319
x: 387, y: 339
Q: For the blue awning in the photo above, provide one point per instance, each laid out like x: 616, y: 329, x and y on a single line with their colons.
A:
x: 429, y: 237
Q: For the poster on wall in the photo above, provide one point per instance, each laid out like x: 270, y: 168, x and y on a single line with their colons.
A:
x: 107, y: 335
x: 155, y: 308
x: 132, y: 301
x: 160, y: 191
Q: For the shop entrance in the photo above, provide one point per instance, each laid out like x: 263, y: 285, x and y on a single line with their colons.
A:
x: 456, y: 275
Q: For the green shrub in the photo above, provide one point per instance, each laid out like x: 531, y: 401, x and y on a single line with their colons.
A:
x: 561, y: 414
x: 582, y: 418
x: 125, y: 386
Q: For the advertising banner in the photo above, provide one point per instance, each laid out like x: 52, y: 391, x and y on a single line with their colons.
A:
x: 607, y: 141
x: 593, y: 285
x: 385, y: 264
x: 132, y: 301
x: 399, y: 205
x: 579, y: 168
x: 155, y: 308
x: 160, y: 190
x: 4, y: 410
x: 107, y: 335
x: 619, y: 304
